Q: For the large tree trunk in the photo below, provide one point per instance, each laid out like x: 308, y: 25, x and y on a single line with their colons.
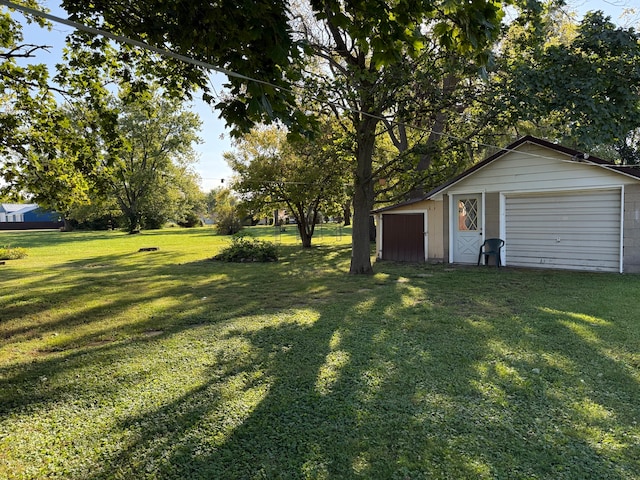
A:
x: 306, y: 225
x: 360, y: 244
x: 363, y: 199
x: 129, y: 207
x: 66, y: 225
x: 304, y: 234
x: 134, y: 222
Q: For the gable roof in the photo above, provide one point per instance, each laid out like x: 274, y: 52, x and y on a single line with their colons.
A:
x: 19, y: 208
x: 575, y: 155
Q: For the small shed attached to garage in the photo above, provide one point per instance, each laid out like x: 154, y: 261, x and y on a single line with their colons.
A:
x: 555, y: 207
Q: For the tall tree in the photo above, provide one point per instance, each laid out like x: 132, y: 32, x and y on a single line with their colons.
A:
x: 189, y: 205
x: 51, y: 163
x: 306, y: 176
x: 584, y: 87
x: 24, y: 87
x: 35, y: 155
x: 154, y: 143
x: 369, y: 48
x: 225, y: 211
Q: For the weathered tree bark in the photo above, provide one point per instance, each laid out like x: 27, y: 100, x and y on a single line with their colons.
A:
x: 305, y: 235
x: 133, y: 218
x: 134, y: 223
x: 363, y: 198
x: 306, y: 224
x: 372, y: 229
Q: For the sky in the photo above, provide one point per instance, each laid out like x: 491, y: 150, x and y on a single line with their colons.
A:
x: 211, y: 166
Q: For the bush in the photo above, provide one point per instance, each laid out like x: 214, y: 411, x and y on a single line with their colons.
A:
x: 104, y: 222
x: 190, y: 220
x: 8, y: 253
x: 228, y: 223
x: 153, y: 221
x: 244, y: 249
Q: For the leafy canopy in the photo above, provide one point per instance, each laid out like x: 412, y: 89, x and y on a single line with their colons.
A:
x: 247, y: 37
x: 586, y: 88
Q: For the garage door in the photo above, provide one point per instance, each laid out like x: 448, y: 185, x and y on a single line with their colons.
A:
x: 403, y: 237
x: 573, y: 230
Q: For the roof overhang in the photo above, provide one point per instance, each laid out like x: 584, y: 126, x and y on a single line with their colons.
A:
x: 575, y: 155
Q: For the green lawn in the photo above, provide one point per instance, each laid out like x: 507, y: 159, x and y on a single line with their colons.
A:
x: 116, y: 363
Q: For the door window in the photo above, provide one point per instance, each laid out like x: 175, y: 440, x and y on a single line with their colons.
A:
x: 468, y: 214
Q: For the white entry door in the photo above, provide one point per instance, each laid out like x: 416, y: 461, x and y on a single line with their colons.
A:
x: 467, y: 228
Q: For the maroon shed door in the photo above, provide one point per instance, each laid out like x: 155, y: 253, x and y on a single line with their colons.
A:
x: 403, y: 237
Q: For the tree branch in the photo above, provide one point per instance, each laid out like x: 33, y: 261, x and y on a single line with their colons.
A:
x: 24, y: 51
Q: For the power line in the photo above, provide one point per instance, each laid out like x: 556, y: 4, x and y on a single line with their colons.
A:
x: 192, y: 61
x: 230, y: 73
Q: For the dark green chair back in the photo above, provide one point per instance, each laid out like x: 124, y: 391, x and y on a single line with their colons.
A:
x: 491, y: 247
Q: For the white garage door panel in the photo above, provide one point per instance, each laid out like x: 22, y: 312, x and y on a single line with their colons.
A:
x: 576, y: 230
x: 562, y: 239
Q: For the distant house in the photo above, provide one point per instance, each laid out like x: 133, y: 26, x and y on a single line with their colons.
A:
x: 280, y: 216
x: 14, y: 212
x: 27, y: 216
x: 555, y: 207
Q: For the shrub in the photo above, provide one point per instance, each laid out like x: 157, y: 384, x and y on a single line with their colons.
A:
x: 227, y: 223
x: 243, y: 249
x: 8, y: 253
x: 153, y: 221
x: 104, y: 222
x: 190, y: 220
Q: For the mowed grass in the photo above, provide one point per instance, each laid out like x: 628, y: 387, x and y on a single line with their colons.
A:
x: 116, y: 363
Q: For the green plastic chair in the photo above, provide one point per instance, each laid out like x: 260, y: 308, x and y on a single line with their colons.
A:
x: 491, y: 246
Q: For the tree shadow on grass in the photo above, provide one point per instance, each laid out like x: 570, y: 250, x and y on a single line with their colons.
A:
x: 34, y: 239
x: 394, y: 376
x: 39, y: 304
x: 115, y: 305
x: 332, y: 401
x: 557, y: 397
x: 366, y: 390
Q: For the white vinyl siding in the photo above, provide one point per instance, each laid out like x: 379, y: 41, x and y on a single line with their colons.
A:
x: 577, y: 230
x: 534, y: 168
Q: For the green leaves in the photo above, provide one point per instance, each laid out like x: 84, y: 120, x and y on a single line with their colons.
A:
x: 8, y: 252
x: 586, y: 87
x: 25, y: 96
x: 243, y: 249
x: 251, y: 39
x: 304, y: 176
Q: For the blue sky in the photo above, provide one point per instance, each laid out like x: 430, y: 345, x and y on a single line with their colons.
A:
x: 211, y: 166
